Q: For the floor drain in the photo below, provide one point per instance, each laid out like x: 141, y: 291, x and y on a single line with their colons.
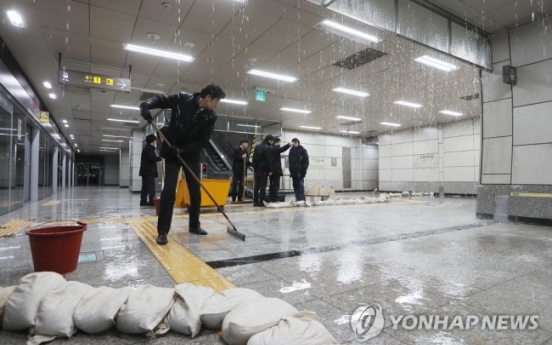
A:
x: 86, y: 257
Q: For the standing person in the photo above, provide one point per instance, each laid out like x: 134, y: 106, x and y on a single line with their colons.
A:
x: 239, y: 157
x: 192, y: 122
x: 262, y: 164
x: 298, y: 164
x: 274, y: 185
x: 148, y: 170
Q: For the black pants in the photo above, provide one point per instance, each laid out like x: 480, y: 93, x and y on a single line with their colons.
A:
x: 148, y: 189
x: 274, y: 187
x: 259, y: 188
x: 169, y: 193
x: 237, y: 184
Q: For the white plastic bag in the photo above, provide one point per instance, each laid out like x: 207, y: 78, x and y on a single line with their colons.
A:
x: 23, y: 303
x: 5, y: 293
x: 217, y: 306
x: 252, y: 317
x: 299, y: 329
x: 97, y: 310
x: 55, y: 314
x: 184, y: 316
x: 144, y: 310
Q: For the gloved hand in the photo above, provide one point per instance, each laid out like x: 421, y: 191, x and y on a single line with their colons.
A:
x: 174, y: 151
x: 303, y: 174
x: 146, y: 114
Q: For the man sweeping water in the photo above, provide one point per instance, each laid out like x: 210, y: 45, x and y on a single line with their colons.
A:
x: 192, y: 122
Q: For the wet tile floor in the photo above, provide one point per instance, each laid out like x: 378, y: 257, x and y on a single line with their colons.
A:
x: 419, y: 256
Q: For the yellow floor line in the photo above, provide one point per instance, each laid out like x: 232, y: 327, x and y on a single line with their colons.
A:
x: 13, y: 227
x: 182, y: 265
x: 52, y: 203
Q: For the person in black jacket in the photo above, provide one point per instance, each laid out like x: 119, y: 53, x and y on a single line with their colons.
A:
x: 190, y: 127
x: 262, y: 164
x: 239, y: 156
x: 148, y: 170
x: 298, y: 164
x: 274, y: 185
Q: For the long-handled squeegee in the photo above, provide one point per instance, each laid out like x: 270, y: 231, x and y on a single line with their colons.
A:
x: 232, y: 228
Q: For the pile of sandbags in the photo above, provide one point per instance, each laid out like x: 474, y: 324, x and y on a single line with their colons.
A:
x: 51, y: 307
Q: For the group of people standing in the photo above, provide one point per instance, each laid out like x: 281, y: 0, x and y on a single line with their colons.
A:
x: 267, y: 167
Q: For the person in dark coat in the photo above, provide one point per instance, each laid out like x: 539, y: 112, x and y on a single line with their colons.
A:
x: 239, y: 156
x: 192, y: 122
x: 298, y: 165
x: 274, y: 185
x: 148, y: 170
x: 262, y: 164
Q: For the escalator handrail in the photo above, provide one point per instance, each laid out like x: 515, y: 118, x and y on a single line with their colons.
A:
x: 222, y: 156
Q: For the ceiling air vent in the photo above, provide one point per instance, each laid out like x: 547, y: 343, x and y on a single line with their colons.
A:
x: 350, y: 123
x: 360, y: 58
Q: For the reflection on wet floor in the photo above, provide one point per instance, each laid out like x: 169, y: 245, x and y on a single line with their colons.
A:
x: 411, y: 256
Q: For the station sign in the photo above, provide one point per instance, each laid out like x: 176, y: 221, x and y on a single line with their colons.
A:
x: 92, y: 80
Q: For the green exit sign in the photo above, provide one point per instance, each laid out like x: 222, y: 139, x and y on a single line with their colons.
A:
x: 260, y: 95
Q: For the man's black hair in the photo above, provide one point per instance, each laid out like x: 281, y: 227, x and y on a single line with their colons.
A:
x: 244, y: 141
x: 212, y: 90
x: 276, y: 140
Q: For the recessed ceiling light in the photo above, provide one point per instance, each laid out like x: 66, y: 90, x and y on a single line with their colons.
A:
x: 450, y: 112
x: 52, y: 96
x: 435, y: 63
x: 116, y: 136
x: 390, y: 124
x: 118, y: 120
x: 120, y: 106
x: 310, y: 127
x: 76, y: 145
x: 293, y: 110
x: 78, y: 151
x: 350, y: 31
x: 15, y: 19
x: 408, y: 104
x: 233, y: 101
x: 272, y: 75
x: 64, y: 121
x: 66, y: 125
x: 350, y: 132
x: 351, y: 92
x: 159, y: 53
x: 47, y: 84
x: 348, y: 118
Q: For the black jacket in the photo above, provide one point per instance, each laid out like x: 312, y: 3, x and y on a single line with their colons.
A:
x: 298, y: 161
x: 190, y: 127
x: 262, y: 159
x: 276, y: 161
x: 237, y: 160
x: 148, y: 161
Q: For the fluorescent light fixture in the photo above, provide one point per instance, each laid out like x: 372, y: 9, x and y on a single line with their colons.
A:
x: 66, y: 125
x: 76, y: 145
x: 116, y: 136
x: 15, y: 19
x: 64, y: 121
x: 351, y: 92
x: 408, y: 104
x: 114, y: 129
x: 310, y: 127
x: 233, y: 101
x: 349, y: 30
x: 159, y: 53
x: 272, y: 75
x: 293, y: 110
x: 350, y: 132
x: 124, y: 107
x: 47, y: 84
x: 348, y: 118
x: 435, y: 63
x: 450, y: 112
x: 109, y: 148
x: 242, y: 125
x: 112, y: 140
x: 390, y: 124
x: 8, y: 129
x: 119, y: 120
x: 78, y: 150
x: 52, y: 95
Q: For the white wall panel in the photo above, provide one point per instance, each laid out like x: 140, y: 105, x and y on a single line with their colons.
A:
x: 532, y: 164
x: 533, y: 124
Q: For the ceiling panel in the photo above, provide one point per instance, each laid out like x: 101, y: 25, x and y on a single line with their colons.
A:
x: 210, y: 16
x: 110, y: 25
x: 144, y: 26
x: 174, y: 15
x: 69, y: 18
x: 282, y: 34
x: 247, y: 26
x: 124, y: 6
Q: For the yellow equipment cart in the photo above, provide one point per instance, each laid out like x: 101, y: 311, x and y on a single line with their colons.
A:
x: 217, y: 187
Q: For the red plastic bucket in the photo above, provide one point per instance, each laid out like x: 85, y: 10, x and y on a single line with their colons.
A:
x: 157, y: 203
x: 56, y: 248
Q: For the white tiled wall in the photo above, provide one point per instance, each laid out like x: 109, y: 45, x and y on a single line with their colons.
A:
x: 135, y: 152
x: 124, y: 168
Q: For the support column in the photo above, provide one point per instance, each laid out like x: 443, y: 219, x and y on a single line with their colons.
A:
x: 135, y: 153
x: 55, y: 170
x: 64, y: 172
x: 35, y: 151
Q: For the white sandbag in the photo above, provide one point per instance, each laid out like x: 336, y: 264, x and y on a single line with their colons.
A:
x: 217, y: 306
x: 55, y: 314
x: 23, y: 303
x: 184, y: 316
x: 5, y: 293
x: 97, y: 310
x: 299, y: 329
x: 145, y: 309
x: 255, y: 316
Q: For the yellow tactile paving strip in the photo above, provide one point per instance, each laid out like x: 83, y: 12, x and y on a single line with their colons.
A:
x: 52, y: 203
x: 13, y: 227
